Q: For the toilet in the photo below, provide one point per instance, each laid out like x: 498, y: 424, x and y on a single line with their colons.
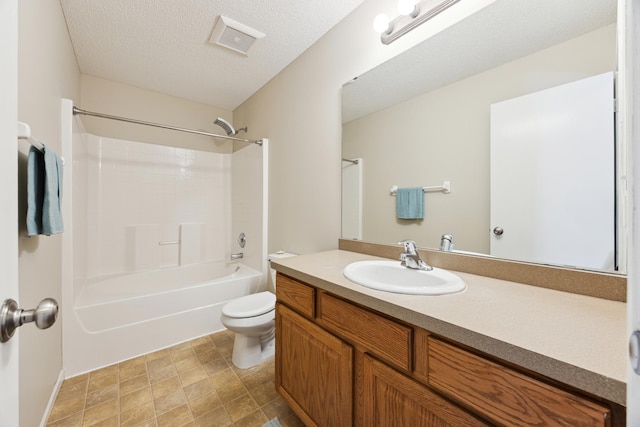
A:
x: 252, y: 318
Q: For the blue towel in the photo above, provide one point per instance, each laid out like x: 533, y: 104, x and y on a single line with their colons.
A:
x: 410, y: 203
x: 44, y: 192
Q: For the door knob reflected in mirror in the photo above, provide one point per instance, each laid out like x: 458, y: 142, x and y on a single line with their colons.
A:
x: 498, y: 231
x: 12, y: 317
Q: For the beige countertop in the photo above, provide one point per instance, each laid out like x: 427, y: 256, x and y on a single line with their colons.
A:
x: 575, y: 339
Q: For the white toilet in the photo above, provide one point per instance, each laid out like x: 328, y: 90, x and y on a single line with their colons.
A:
x: 252, y: 318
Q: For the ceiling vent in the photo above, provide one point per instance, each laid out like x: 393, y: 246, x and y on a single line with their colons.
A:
x: 234, y: 35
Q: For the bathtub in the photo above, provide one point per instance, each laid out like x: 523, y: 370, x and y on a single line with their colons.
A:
x: 120, y: 317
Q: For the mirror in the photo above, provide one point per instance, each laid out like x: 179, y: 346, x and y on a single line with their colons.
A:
x: 424, y: 117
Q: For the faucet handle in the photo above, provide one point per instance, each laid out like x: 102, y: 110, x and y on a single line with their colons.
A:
x: 409, y: 246
x: 446, y: 242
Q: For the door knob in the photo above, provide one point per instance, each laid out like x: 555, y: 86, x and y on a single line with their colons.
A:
x: 498, y: 231
x: 634, y: 351
x: 12, y: 317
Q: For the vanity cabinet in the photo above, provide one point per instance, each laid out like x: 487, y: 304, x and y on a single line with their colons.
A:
x: 341, y: 364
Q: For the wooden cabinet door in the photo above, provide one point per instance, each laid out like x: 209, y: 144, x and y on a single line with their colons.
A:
x: 313, y: 371
x: 391, y: 399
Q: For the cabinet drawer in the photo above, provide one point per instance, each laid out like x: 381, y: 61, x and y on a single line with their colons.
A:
x: 296, y: 295
x: 505, y: 396
x: 389, y: 340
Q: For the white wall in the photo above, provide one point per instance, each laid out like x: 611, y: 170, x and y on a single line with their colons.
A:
x: 47, y: 71
x: 300, y: 111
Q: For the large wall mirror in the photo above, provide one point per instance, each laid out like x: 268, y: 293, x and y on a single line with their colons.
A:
x: 435, y: 113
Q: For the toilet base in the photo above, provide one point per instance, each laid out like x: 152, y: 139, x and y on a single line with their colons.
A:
x: 251, y: 351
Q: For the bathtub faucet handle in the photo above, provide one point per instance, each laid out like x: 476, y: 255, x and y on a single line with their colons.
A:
x: 239, y: 255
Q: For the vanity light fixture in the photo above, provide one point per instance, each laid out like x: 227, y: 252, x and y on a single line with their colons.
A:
x: 412, y: 14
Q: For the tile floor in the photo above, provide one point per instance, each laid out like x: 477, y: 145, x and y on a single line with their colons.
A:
x: 191, y: 384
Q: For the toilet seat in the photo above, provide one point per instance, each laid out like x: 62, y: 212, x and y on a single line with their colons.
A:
x: 250, y: 305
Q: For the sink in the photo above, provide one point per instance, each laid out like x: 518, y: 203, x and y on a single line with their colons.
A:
x: 390, y: 276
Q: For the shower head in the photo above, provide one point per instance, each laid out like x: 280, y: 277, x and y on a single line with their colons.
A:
x: 226, y: 126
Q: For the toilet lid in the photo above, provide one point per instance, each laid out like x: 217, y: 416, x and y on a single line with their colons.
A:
x: 250, y: 305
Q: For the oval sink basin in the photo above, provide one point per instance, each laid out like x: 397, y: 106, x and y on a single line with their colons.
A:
x: 390, y: 276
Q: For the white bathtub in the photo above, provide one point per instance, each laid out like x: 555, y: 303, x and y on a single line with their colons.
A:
x: 121, y: 317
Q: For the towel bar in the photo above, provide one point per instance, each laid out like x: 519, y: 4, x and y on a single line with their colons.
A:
x: 24, y: 132
x: 445, y: 188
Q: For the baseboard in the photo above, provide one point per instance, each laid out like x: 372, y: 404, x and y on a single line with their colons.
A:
x: 52, y: 399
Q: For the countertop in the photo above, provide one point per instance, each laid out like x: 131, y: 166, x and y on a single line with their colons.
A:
x: 578, y: 340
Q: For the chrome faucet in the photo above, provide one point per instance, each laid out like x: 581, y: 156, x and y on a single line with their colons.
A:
x: 446, y: 242
x: 410, y: 257
x: 239, y: 255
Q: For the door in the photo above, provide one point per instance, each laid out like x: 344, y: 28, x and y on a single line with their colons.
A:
x: 629, y: 128
x: 552, y: 176
x: 9, y: 205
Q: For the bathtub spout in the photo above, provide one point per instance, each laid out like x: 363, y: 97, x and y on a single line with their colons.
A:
x: 239, y: 255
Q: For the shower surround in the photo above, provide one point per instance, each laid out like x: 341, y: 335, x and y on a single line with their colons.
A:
x: 141, y: 207
x: 147, y: 256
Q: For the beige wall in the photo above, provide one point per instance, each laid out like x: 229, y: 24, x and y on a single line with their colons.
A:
x: 300, y: 112
x: 47, y: 71
x: 444, y: 135
x: 118, y: 99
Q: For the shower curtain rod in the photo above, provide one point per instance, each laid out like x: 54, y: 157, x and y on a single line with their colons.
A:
x: 77, y: 111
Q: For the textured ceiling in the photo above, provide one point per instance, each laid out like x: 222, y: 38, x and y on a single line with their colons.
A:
x: 503, y: 31
x: 162, y: 45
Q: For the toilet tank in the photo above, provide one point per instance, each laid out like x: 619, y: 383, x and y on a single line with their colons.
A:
x: 272, y: 272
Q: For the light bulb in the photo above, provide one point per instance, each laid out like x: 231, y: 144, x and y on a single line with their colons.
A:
x: 381, y: 23
x: 406, y: 7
